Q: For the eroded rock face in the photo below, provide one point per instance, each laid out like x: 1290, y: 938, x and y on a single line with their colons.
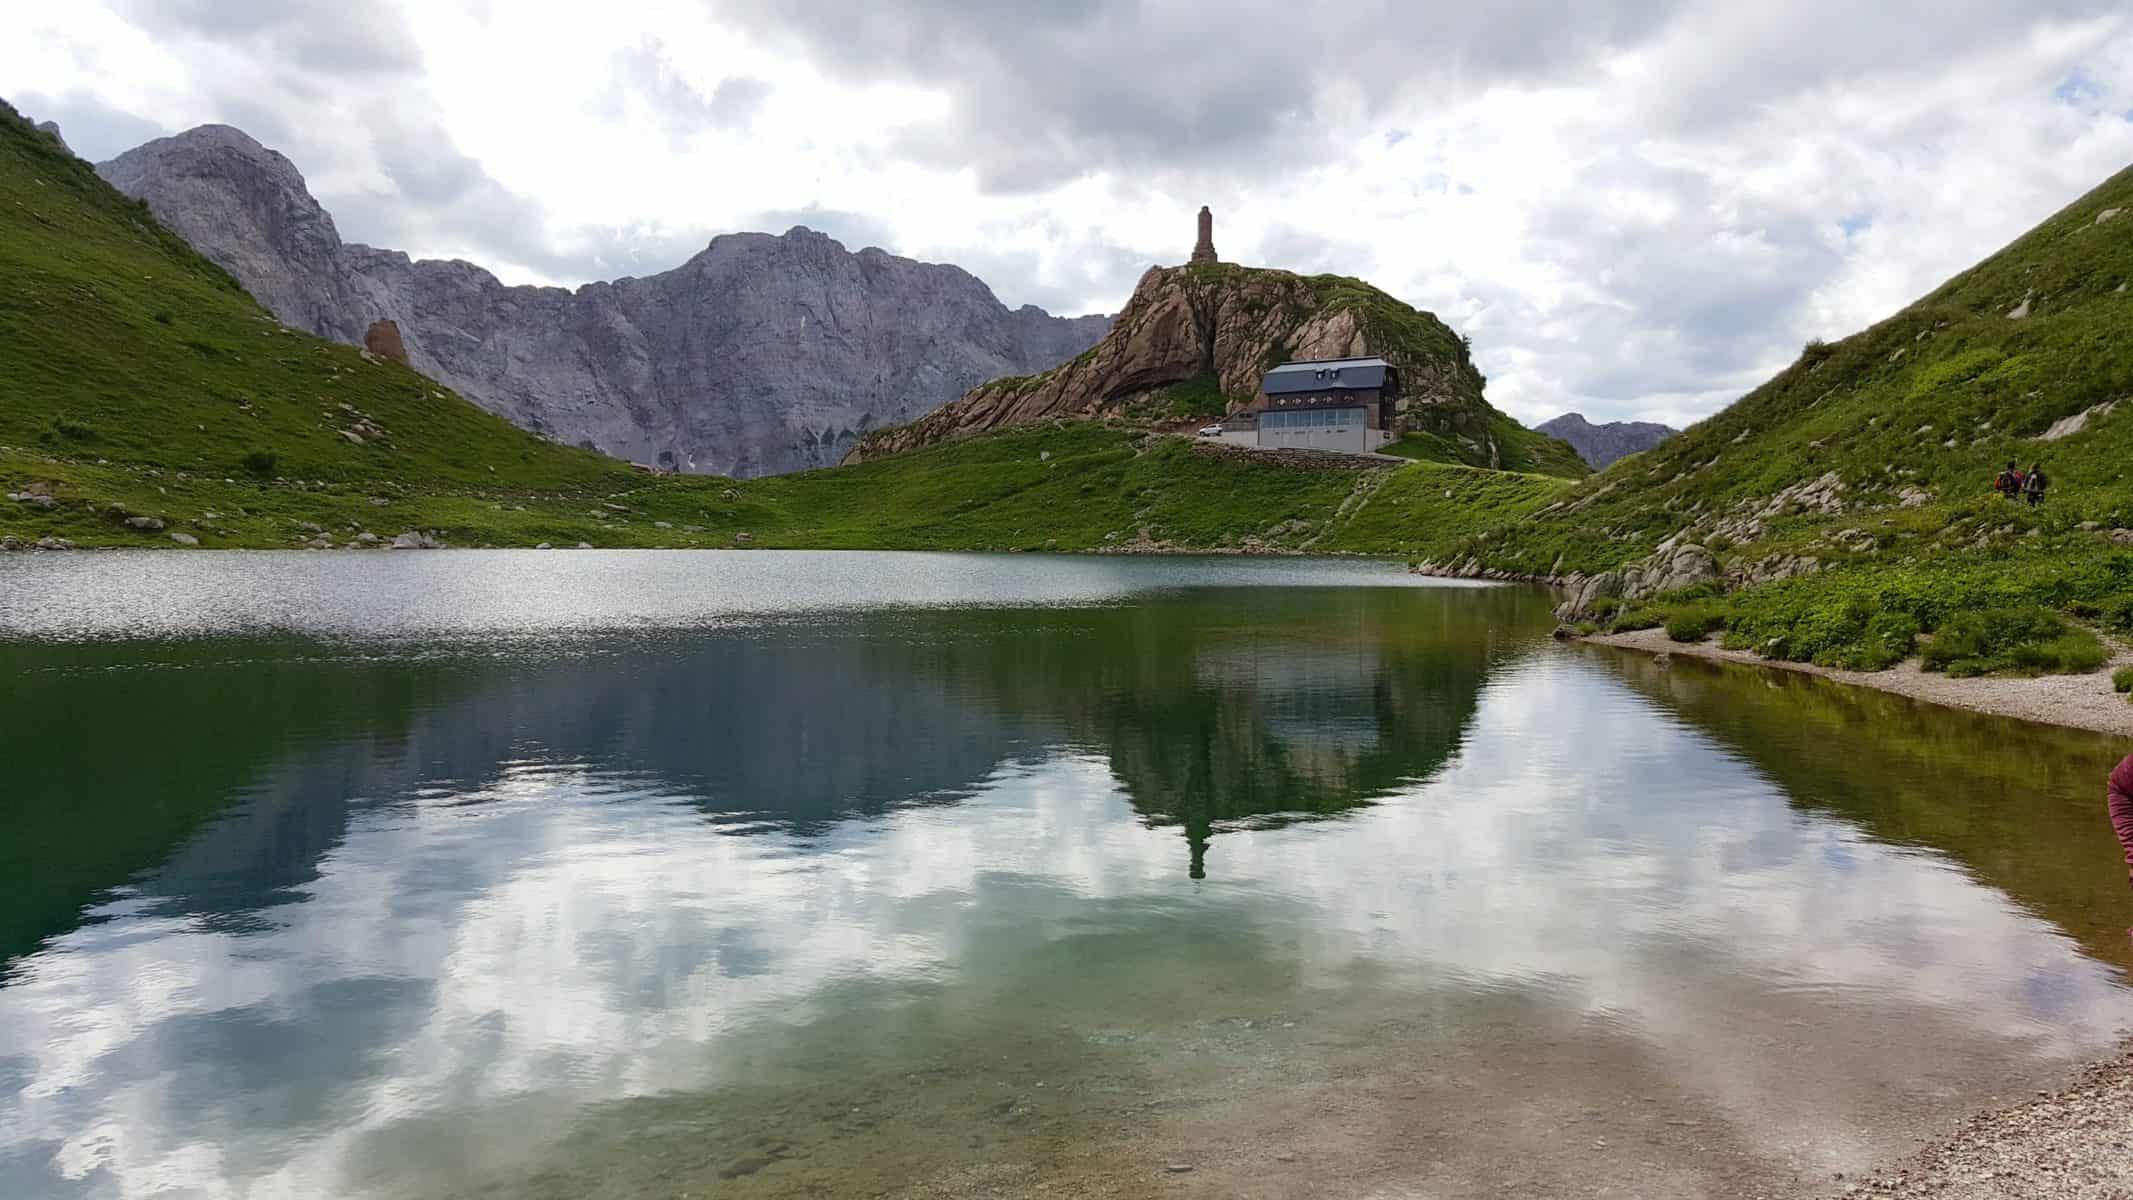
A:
x: 1183, y: 323
x: 759, y: 355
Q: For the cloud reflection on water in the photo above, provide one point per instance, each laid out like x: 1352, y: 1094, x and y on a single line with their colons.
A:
x: 547, y: 894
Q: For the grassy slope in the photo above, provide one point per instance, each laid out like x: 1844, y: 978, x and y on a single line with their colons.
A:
x: 133, y: 371
x: 136, y: 378
x: 1935, y: 399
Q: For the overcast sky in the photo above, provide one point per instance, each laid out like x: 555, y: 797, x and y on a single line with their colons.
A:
x: 1637, y: 209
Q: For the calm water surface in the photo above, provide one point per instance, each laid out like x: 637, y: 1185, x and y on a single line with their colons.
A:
x: 758, y: 874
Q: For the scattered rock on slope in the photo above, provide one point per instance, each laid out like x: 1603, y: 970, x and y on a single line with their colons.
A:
x: 759, y: 355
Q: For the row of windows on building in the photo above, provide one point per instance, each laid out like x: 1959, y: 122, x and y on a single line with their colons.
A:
x: 1312, y: 418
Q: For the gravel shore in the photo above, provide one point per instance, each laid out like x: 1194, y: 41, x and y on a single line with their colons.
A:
x: 2076, y: 701
x: 2075, y: 1144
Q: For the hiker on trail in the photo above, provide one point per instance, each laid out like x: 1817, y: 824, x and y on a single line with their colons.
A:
x: 2034, y: 483
x: 2121, y: 806
x: 2009, y: 483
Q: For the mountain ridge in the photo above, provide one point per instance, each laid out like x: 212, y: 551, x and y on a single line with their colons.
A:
x: 1603, y: 444
x: 759, y: 354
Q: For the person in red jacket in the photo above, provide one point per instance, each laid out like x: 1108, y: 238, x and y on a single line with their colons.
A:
x: 2122, y: 809
x: 2121, y: 802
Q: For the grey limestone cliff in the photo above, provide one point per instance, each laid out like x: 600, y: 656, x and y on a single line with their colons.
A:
x: 760, y: 355
x: 1600, y: 445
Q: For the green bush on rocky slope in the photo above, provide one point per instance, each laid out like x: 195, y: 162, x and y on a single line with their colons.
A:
x: 1869, y: 462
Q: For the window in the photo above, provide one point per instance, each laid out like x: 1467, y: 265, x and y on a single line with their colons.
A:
x: 1312, y: 419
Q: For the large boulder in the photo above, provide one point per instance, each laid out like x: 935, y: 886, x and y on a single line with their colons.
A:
x: 1583, y: 590
x: 1669, y: 569
x: 383, y: 340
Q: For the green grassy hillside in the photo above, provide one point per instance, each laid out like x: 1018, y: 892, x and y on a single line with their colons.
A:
x: 135, y: 373
x: 1874, y: 458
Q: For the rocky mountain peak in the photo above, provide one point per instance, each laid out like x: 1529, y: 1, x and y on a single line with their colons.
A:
x: 1602, y: 445
x: 247, y: 209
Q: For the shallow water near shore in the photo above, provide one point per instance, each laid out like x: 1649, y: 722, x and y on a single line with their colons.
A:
x: 763, y: 874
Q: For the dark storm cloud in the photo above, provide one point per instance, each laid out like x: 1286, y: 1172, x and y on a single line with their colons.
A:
x: 1043, y: 91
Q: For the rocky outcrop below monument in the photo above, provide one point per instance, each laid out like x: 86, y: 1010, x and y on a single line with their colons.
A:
x: 759, y: 355
x: 1212, y: 330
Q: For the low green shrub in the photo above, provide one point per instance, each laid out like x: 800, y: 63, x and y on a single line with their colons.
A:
x: 71, y: 430
x: 1604, y: 607
x: 1694, y: 624
x: 1637, y: 618
x: 2122, y: 680
x: 2117, y: 613
x: 2032, y: 639
x: 1890, y: 638
x: 2075, y: 652
x: 260, y: 463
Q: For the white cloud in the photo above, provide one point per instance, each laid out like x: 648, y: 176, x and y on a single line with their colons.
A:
x: 1639, y: 210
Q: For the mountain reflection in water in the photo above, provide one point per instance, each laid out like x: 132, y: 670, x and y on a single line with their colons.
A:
x: 882, y: 899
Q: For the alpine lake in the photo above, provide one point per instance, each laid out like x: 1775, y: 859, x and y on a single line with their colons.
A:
x: 618, y: 874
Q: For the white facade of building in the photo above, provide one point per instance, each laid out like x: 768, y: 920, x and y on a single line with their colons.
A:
x: 1345, y: 430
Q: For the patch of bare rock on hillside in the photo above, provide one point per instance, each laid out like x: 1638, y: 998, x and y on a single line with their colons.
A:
x: 2074, y: 1144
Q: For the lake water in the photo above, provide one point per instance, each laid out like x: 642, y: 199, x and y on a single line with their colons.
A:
x: 764, y: 874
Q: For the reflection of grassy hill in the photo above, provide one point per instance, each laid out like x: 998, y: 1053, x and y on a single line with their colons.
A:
x: 2020, y: 806
x: 177, y: 740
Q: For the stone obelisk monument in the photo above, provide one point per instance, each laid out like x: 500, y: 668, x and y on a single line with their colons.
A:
x: 1203, y: 251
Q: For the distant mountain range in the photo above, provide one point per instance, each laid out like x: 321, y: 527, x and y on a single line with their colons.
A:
x: 758, y: 356
x: 1601, y: 445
